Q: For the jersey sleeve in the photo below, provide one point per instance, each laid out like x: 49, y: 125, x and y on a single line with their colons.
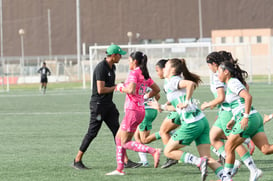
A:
x: 174, y: 83
x: 100, y: 75
x: 150, y: 82
x: 236, y: 86
x: 217, y: 82
x: 132, y: 77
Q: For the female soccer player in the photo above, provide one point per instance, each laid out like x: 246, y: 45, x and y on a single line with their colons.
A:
x: 134, y: 87
x: 247, y: 121
x: 171, y: 122
x: 142, y: 134
x: 195, y: 126
x: 219, y: 129
x: 228, y: 57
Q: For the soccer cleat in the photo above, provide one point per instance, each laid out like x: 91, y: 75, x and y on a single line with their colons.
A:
x: 254, y: 176
x: 251, y: 147
x: 79, y: 165
x: 131, y: 164
x: 144, y: 164
x: 116, y: 172
x: 203, y: 166
x: 169, y: 162
x: 156, y: 156
x: 237, y: 165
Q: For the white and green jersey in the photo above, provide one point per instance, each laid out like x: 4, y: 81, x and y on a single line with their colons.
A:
x: 175, y: 96
x: 215, y: 83
x: 148, y: 89
x: 237, y: 103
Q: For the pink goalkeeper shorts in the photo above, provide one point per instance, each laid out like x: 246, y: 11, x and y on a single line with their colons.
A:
x: 132, y: 119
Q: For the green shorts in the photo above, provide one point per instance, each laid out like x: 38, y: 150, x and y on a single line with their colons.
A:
x: 255, y: 125
x: 174, y: 116
x: 223, y: 118
x: 146, y: 124
x: 197, y: 131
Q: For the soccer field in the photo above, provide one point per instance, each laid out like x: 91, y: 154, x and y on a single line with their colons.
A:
x: 41, y: 134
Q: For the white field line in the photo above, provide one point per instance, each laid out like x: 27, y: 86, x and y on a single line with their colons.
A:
x: 41, y: 113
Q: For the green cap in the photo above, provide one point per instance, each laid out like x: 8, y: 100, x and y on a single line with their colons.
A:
x: 115, y: 49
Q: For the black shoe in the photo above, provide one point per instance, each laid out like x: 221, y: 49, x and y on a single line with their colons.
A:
x: 131, y: 164
x: 169, y: 162
x: 79, y: 165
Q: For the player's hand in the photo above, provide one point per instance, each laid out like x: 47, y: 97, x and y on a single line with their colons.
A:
x: 119, y: 87
x: 155, y: 105
x: 266, y: 118
x: 244, y: 123
x: 230, y: 124
x: 204, y: 106
x: 182, y: 105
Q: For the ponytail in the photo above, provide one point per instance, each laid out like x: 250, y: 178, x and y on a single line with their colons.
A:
x: 142, y: 60
x: 181, y: 68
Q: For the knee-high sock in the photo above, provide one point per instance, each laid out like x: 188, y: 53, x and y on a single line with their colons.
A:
x: 138, y: 147
x: 120, y: 154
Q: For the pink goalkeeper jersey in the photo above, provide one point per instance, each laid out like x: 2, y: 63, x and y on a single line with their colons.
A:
x: 136, y: 101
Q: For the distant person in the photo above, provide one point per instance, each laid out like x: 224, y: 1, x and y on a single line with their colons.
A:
x: 102, y: 107
x: 44, y: 71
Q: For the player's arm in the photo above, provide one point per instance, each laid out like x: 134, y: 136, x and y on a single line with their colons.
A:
x: 248, y: 101
x: 267, y: 117
x: 102, y: 89
x: 129, y: 89
x: 189, y: 85
x: 218, y: 100
x: 161, y: 107
x: 49, y: 73
x: 154, y: 92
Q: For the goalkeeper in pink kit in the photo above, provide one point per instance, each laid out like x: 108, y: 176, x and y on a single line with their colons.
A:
x: 134, y: 87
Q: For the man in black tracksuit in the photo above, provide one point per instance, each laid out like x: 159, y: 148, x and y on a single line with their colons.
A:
x: 102, y: 107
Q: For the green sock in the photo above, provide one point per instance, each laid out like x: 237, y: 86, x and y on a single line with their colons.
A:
x: 157, y: 135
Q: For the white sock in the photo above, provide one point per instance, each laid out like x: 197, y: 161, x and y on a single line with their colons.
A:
x: 228, y: 171
x: 189, y: 158
x: 249, y: 162
x: 247, y: 141
x: 215, y: 151
x: 142, y: 156
x: 222, y: 175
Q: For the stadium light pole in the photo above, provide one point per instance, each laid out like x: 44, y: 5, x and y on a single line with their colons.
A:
x: 22, y: 33
x: 130, y: 35
x: 1, y: 34
x: 78, y: 37
x: 200, y: 20
x: 49, y: 32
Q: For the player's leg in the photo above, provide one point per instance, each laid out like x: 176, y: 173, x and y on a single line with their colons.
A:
x: 93, y: 129
x: 44, y: 85
x: 234, y: 140
x: 129, y: 125
x: 204, y: 152
x: 260, y: 138
x: 170, y: 123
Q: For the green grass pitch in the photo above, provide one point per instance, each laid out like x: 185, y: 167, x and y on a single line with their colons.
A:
x: 40, y: 136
